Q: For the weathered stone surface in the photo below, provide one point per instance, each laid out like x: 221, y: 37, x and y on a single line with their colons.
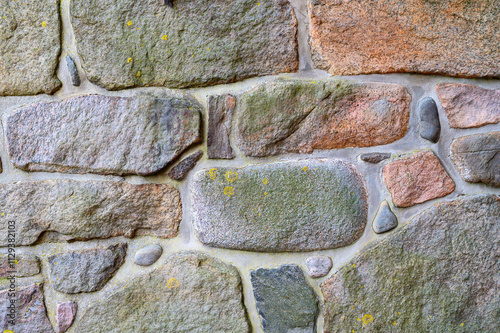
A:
x: 66, y: 313
x: 197, y: 43
x: 29, y: 47
x: 374, y: 158
x: 286, y: 206
x: 385, y: 219
x: 285, y: 302
x: 23, y: 265
x: 469, y: 106
x: 417, y: 178
x: 428, y: 120
x: 81, y: 210
x: 220, y: 115
x: 148, y: 255
x: 191, y: 293
x: 298, y: 116
x: 30, y: 315
x: 180, y: 171
x: 439, y: 273
x: 73, y: 71
x: 451, y: 37
x: 318, y: 266
x: 87, y: 270
x: 102, y: 134
x: 477, y: 158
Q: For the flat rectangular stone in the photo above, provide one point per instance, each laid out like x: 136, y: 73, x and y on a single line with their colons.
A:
x: 220, y: 116
x: 23, y: 265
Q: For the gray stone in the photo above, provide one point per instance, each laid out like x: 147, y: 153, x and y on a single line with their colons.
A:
x: 220, y: 115
x: 23, y: 265
x: 285, y: 302
x: 385, y: 219
x: 180, y: 171
x: 66, y: 313
x: 191, y: 293
x: 102, y: 134
x: 82, y: 210
x: 318, y: 266
x: 477, y: 158
x: 148, y: 255
x: 73, y: 71
x: 374, y: 158
x: 438, y: 273
x: 129, y: 43
x: 87, y: 270
x: 30, y: 33
x: 286, y: 206
x: 428, y: 116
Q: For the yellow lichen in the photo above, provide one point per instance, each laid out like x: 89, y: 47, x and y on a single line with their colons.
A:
x: 264, y: 181
x: 231, y: 176
x: 212, y: 173
x: 44, y: 24
x: 129, y: 23
x: 172, y: 283
x: 229, y: 191
x: 164, y: 37
x: 367, y: 318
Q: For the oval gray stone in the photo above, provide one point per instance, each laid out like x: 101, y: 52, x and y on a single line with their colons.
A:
x: 428, y: 116
x: 148, y: 255
x: 318, y: 266
x: 73, y: 71
x: 385, y: 219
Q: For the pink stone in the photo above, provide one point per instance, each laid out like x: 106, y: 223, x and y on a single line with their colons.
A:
x: 66, y: 313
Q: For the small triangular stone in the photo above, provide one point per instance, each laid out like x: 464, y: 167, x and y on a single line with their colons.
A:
x: 385, y: 219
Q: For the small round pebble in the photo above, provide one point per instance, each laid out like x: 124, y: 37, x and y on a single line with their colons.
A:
x: 318, y: 266
x: 148, y: 255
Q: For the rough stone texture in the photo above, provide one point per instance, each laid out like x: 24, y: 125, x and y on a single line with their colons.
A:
x: 285, y: 302
x: 318, y: 266
x: 73, y: 71
x: 468, y: 106
x: 374, y: 158
x: 450, y: 37
x: 439, y: 273
x: 148, y: 255
x: 385, y: 219
x: 23, y: 265
x: 180, y: 171
x: 66, y: 313
x: 477, y: 158
x: 220, y: 115
x: 428, y: 120
x: 102, y: 134
x: 87, y: 270
x: 298, y: 116
x: 286, y: 206
x: 191, y: 293
x: 29, y: 47
x: 30, y: 311
x: 131, y: 43
x: 81, y: 210
x: 417, y: 178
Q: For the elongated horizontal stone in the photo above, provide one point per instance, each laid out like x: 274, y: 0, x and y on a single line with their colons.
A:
x: 449, y: 37
x: 81, y: 210
x: 101, y: 134
x: 287, y: 206
x: 21, y: 265
x: 299, y: 116
x: 129, y: 43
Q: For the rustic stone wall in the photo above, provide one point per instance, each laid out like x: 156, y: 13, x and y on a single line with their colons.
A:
x: 250, y: 166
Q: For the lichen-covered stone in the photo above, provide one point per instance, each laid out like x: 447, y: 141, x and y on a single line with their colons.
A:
x: 428, y: 120
x: 220, y: 116
x: 66, y: 313
x: 87, y: 270
x: 374, y: 158
x: 385, y: 219
x: 129, y: 43
x: 477, y: 158
x: 286, y: 206
x: 81, y: 210
x: 180, y: 171
x: 285, y: 302
x: 439, y: 273
x: 19, y: 265
x: 468, y: 106
x: 191, y: 293
x: 102, y: 134
x: 449, y: 37
x: 318, y: 266
x: 30, y: 33
x: 299, y: 116
x: 148, y: 255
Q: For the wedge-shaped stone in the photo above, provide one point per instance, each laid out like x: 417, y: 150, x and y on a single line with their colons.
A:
x: 81, y: 210
x: 439, y: 273
x: 298, y: 116
x: 287, y: 206
x: 102, y: 134
x: 129, y: 43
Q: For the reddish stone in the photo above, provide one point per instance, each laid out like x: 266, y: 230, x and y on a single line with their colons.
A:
x: 66, y: 313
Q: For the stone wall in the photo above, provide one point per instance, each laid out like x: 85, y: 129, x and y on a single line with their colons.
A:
x: 245, y: 166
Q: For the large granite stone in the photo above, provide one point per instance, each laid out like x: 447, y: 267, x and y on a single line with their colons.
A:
x: 191, y: 293
x: 30, y: 33
x: 81, y: 210
x: 22, y: 265
x: 129, y: 43
x: 286, y: 206
x: 449, y: 37
x: 298, y: 116
x: 477, y: 158
x: 285, y: 302
x: 102, y: 134
x: 468, y: 106
x: 439, y: 273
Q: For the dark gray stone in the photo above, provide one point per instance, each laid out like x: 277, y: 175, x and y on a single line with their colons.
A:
x: 428, y: 116
x: 318, y: 266
x: 285, y: 302
x: 385, y: 219
x: 374, y: 158
x: 148, y: 255
x: 220, y: 115
x: 87, y: 270
x: 24, y: 265
x: 180, y: 171
x: 73, y: 71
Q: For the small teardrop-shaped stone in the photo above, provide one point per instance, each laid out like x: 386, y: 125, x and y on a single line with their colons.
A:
x: 148, y: 255
x: 385, y: 219
x: 428, y: 118
x: 318, y: 266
